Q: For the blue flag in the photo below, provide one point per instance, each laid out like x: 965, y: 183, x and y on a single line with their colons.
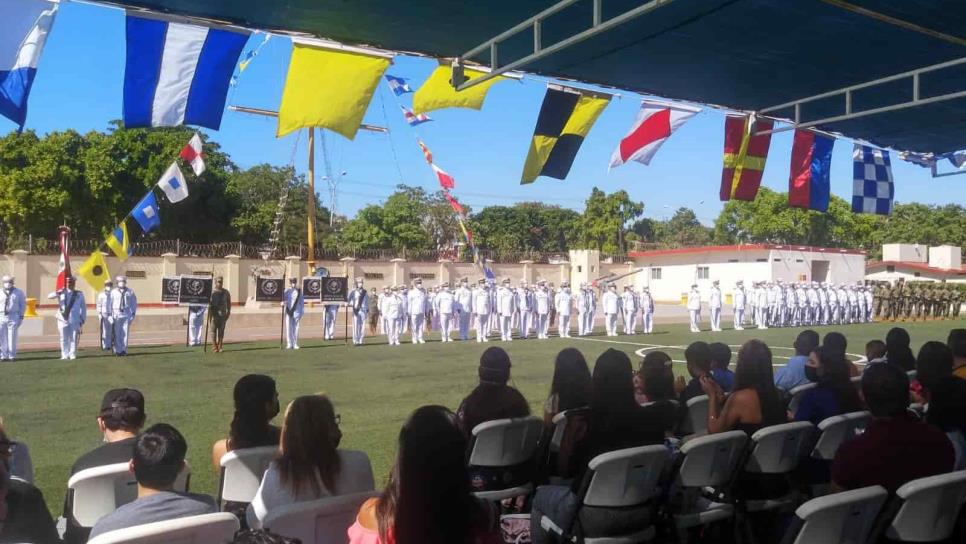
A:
x: 24, y: 26
x: 398, y: 85
x: 872, y: 187
x: 146, y: 213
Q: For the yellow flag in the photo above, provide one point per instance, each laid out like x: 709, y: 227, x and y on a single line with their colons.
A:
x: 119, y: 242
x: 438, y: 93
x: 329, y: 89
x: 94, y: 270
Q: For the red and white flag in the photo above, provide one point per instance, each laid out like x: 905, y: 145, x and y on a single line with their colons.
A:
x: 446, y: 181
x: 192, y: 154
x: 654, y: 125
x: 64, y: 271
x: 427, y: 154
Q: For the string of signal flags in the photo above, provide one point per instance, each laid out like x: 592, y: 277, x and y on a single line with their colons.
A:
x: 330, y: 85
x: 144, y: 216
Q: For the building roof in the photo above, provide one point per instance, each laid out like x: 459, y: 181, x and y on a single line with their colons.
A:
x: 743, y: 247
x: 740, y: 54
x: 872, y: 268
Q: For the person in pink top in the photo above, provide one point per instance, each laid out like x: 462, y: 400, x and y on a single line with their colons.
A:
x: 428, y: 498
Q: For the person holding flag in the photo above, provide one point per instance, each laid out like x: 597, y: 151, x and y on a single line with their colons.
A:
x: 14, y: 304
x: 294, y: 304
x: 105, y: 321
x: 124, y: 307
x: 71, y: 315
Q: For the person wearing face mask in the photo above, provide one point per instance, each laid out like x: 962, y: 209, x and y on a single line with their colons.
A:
x: 294, y: 304
x: 524, y: 302
x: 358, y: 302
x: 310, y: 464
x: 694, y: 308
x: 464, y: 305
x: 834, y: 395
x: 481, y: 309
x: 13, y: 304
x: 124, y: 307
x: 445, y: 307
x: 506, y: 306
x: 563, y: 303
x: 71, y: 315
x: 105, y: 321
x: 612, y: 306
x: 541, y: 302
x: 417, y: 311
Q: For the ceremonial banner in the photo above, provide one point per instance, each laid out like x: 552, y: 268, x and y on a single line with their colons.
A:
x: 437, y: 92
x: 872, y: 187
x: 655, y: 123
x: 170, y: 289
x: 177, y: 73
x: 94, y: 270
x: 744, y: 157
x: 269, y: 289
x: 191, y: 153
x: 173, y: 184
x: 312, y: 288
x: 195, y: 290
x: 329, y: 89
x: 446, y: 181
x: 64, y: 265
x: 24, y: 26
x: 335, y: 289
x: 566, y: 117
x: 119, y: 242
x: 145, y: 213
x: 808, y: 179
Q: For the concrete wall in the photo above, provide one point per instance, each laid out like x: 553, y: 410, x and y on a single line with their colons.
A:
x: 946, y: 257
x: 910, y: 253
x: 909, y: 275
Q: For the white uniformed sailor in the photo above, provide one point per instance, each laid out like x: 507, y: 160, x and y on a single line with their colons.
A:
x: 524, y: 302
x: 505, y: 307
x: 541, y: 303
x: 714, y: 304
x: 738, y: 302
x: 71, y: 315
x: 293, y: 302
x: 358, y: 302
x: 417, y: 300
x: 124, y: 307
x: 13, y: 304
x: 647, y: 310
x: 629, y: 307
x: 464, y: 305
x: 694, y: 308
x: 482, y: 309
x: 563, y: 304
x: 583, y: 301
x: 612, y: 306
x: 391, y: 308
x: 106, y: 321
x: 446, y: 308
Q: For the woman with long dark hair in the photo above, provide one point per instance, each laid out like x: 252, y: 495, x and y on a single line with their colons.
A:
x: 570, y: 387
x: 898, y: 351
x: 310, y: 466
x: 654, y: 388
x: 946, y: 395
x: 427, y: 499
x: 834, y: 395
x: 755, y: 401
x: 256, y: 404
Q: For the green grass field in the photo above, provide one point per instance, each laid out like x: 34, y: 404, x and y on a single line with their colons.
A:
x: 51, y: 404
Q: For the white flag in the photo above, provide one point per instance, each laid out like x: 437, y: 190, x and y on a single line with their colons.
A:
x: 173, y: 184
x: 192, y: 154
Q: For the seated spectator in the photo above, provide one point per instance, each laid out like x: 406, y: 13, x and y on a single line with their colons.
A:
x: 792, y: 375
x: 492, y: 398
x: 875, y: 352
x: 654, y: 387
x: 898, y: 351
x: 256, y: 404
x: 720, y: 359
x: 120, y: 419
x: 23, y: 513
x: 945, y: 394
x: 957, y: 344
x: 838, y: 344
x: 834, y: 395
x: 158, y: 458
x: 616, y: 422
x: 310, y: 466
x: 896, y: 447
x: 428, y: 498
x: 698, y: 357
x: 571, y: 384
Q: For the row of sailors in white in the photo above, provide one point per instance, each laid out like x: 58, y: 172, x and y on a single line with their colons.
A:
x: 626, y: 307
x: 782, y: 304
x: 14, y: 304
x: 116, y: 309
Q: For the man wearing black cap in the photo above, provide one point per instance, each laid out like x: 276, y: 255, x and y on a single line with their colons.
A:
x: 119, y: 421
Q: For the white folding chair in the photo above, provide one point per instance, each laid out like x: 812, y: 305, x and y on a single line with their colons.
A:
x: 698, y: 414
x: 778, y: 449
x: 95, y: 492
x: 505, y: 443
x: 317, y: 522
x: 856, y: 382
x: 620, y: 479
x: 242, y: 471
x: 841, y: 518
x: 796, y: 394
x: 217, y: 528
x: 560, y: 427
x: 929, y: 509
x: 708, y: 461
x: 837, y: 430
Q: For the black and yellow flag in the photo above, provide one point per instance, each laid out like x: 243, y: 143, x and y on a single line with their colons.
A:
x: 94, y: 270
x: 566, y: 117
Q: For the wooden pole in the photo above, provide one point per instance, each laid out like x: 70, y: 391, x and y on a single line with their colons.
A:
x: 311, y: 203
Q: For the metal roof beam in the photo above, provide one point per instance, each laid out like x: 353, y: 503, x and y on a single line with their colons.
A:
x: 540, y: 50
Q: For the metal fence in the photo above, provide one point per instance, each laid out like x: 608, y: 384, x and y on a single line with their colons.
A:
x: 156, y: 248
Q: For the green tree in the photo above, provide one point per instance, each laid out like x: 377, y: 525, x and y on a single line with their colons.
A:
x: 409, y: 219
x: 526, y: 226
x: 605, y: 219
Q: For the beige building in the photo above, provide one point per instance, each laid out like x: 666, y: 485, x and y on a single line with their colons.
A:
x: 914, y: 262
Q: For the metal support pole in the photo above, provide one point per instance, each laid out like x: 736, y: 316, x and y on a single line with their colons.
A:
x: 311, y: 202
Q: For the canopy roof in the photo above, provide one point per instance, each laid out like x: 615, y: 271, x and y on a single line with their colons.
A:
x: 741, y: 54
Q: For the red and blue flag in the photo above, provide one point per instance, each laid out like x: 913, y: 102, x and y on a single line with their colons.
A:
x: 808, y: 181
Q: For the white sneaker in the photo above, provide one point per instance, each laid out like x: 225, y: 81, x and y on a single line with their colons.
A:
x: 296, y: 347
x: 72, y: 357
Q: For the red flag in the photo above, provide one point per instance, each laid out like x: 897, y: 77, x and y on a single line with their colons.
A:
x: 193, y: 155
x: 744, y: 157
x: 446, y: 181
x: 426, y: 153
x: 655, y: 123
x: 64, y: 270
x: 453, y: 202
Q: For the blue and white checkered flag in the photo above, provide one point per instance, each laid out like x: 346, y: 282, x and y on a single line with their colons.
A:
x: 398, y: 85
x: 872, y: 187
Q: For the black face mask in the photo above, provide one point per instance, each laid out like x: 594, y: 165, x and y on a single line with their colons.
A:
x: 811, y: 373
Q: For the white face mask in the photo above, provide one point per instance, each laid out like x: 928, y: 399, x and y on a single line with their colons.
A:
x: 7, y: 285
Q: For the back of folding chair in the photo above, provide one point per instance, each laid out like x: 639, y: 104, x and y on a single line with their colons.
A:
x: 711, y: 460
x: 841, y: 518
x: 627, y: 477
x: 837, y: 430
x: 698, y: 414
x: 779, y: 449
x: 796, y: 393
x: 505, y: 442
x: 930, y: 507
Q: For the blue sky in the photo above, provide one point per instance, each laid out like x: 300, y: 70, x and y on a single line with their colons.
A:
x: 79, y: 86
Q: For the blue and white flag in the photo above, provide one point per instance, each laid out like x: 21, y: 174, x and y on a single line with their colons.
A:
x: 173, y: 184
x: 145, y: 213
x: 24, y: 26
x: 177, y: 73
x: 414, y: 118
x: 398, y: 85
x: 872, y: 187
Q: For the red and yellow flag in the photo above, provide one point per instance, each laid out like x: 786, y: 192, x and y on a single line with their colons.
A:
x: 744, y: 157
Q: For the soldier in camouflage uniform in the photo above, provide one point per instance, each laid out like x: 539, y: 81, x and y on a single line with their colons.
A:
x: 898, y: 295
x: 879, y: 294
x: 946, y: 300
x: 958, y: 296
